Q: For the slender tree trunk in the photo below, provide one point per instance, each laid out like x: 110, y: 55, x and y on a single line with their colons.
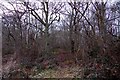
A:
x: 71, y: 33
x: 47, y: 48
x: 47, y: 40
x: 101, y: 25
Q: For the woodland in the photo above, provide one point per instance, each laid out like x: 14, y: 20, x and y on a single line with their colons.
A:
x: 76, y: 40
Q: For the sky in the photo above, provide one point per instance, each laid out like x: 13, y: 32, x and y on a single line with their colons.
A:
x: 4, y: 1
x: 8, y: 5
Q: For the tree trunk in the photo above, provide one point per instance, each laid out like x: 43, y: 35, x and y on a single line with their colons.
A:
x: 47, y: 48
x: 47, y: 40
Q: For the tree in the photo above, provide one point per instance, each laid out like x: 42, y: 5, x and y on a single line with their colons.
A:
x: 47, y: 19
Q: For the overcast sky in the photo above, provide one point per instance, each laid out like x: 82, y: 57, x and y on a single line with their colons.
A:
x: 8, y: 5
x: 4, y: 1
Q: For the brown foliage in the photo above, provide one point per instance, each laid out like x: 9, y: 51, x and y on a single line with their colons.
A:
x: 65, y: 58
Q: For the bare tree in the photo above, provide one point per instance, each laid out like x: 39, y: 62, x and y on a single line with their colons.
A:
x: 47, y: 19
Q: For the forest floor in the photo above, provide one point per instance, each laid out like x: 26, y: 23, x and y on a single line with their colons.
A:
x: 59, y: 72
x: 66, y: 69
x: 66, y: 72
